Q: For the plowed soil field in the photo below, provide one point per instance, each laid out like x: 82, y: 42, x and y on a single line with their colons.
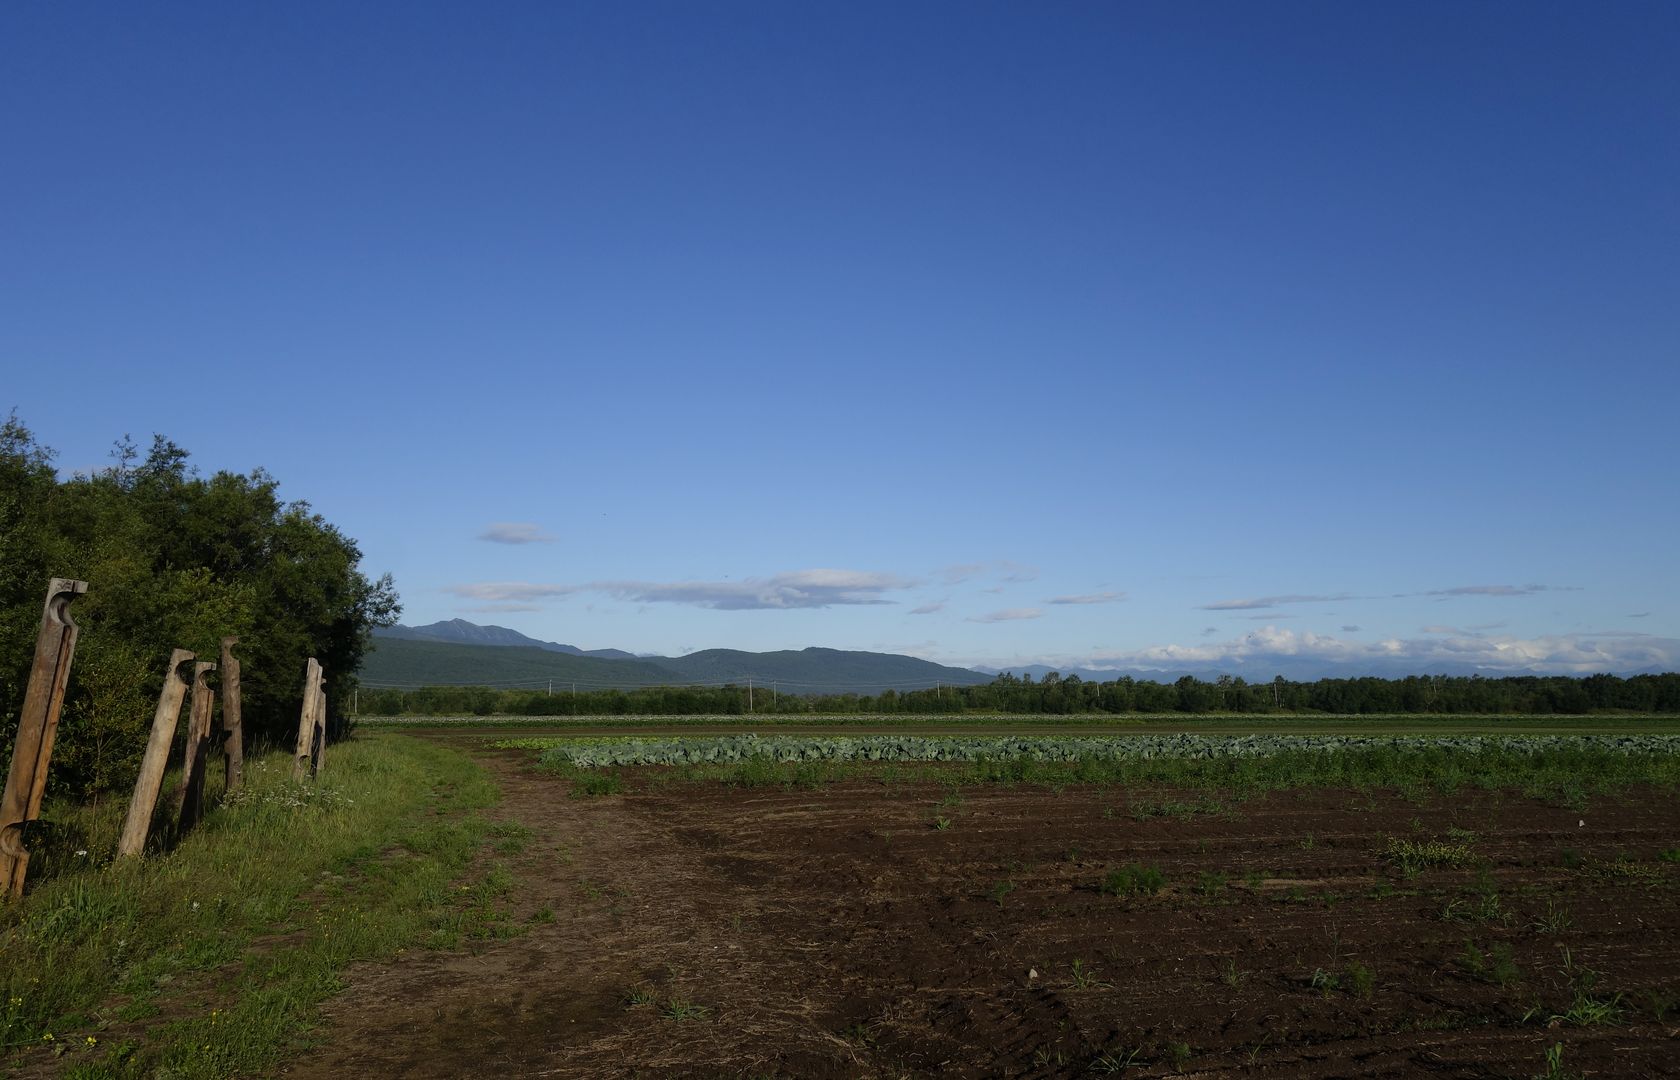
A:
x: 906, y: 929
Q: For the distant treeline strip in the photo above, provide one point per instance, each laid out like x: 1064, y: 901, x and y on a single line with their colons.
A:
x: 1421, y: 694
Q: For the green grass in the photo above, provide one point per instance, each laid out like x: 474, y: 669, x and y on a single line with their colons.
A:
x: 261, y: 908
x: 1144, y: 808
x: 1554, y: 1066
x: 1555, y: 919
x: 1360, y: 980
x: 1411, y: 856
x: 1587, y: 1005
x: 1626, y: 870
x: 681, y: 1009
x: 1496, y: 966
x: 1083, y: 978
x: 588, y: 784
x: 1132, y: 880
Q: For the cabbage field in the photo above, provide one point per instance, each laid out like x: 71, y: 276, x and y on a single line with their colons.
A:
x: 596, y: 752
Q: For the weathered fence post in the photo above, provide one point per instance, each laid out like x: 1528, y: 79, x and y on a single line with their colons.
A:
x: 55, y: 646
x: 233, y: 749
x: 306, y: 720
x: 318, y: 742
x: 164, y: 721
x: 189, y: 801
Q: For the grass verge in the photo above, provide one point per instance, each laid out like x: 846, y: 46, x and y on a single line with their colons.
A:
x: 209, y: 959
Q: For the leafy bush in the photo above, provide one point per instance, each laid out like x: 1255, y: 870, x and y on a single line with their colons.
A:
x: 172, y: 559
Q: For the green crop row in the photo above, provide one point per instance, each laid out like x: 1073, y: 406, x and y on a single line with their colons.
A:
x: 735, y: 749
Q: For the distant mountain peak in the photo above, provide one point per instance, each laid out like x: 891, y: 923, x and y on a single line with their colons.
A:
x: 462, y: 632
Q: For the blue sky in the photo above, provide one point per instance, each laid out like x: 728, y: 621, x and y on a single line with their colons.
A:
x: 1319, y: 330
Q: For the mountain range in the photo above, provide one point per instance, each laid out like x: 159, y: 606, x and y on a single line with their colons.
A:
x: 460, y: 653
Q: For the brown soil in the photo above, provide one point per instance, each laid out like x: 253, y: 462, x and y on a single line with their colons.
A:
x: 837, y: 932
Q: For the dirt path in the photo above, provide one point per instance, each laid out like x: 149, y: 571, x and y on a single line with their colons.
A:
x: 838, y: 932
x: 634, y: 908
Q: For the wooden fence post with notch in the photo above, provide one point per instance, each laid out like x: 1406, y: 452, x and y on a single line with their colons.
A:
x: 189, y: 801
x: 306, y: 720
x: 164, y: 721
x: 233, y: 749
x: 318, y: 742
x: 55, y: 647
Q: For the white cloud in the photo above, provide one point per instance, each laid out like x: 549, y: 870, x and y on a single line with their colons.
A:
x: 489, y: 608
x: 797, y: 589
x: 1501, y: 590
x: 1009, y: 615
x: 1090, y: 598
x: 1472, y: 630
x: 1577, y: 654
x: 928, y: 609
x: 996, y: 570
x: 504, y: 591
x: 1272, y: 601
x: 515, y: 532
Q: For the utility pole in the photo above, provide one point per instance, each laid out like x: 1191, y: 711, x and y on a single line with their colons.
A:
x: 749, y: 693
x: 551, y: 688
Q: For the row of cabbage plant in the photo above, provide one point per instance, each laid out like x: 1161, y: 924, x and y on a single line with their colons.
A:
x: 734, y: 749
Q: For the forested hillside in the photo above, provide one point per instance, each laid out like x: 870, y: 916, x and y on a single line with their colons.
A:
x: 404, y: 663
x: 400, y: 664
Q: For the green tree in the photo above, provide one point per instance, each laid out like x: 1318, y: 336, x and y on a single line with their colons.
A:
x: 173, y: 560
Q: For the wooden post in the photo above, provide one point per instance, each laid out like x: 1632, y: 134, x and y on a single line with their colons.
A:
x: 318, y: 742
x: 189, y: 800
x: 164, y: 722
x: 55, y: 647
x: 306, y: 720
x: 233, y: 749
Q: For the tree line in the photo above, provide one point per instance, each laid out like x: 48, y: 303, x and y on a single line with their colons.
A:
x: 1053, y: 694
x: 172, y: 559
